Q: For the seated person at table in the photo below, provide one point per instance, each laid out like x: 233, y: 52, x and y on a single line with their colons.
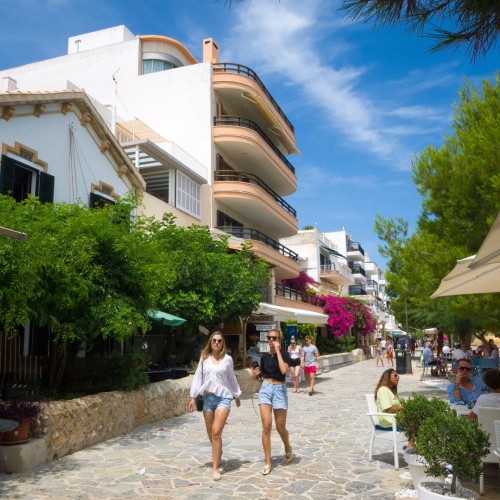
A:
x: 430, y: 360
x: 491, y: 399
x: 466, y: 389
x: 490, y: 349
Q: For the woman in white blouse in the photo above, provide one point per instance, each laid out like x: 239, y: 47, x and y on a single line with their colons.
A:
x: 215, y: 380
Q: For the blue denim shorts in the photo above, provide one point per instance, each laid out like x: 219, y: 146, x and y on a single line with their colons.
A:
x: 211, y: 402
x: 274, y: 394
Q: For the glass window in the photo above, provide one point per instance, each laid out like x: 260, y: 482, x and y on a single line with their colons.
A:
x: 155, y: 65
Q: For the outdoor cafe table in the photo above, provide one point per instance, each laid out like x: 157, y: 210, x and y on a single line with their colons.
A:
x: 461, y: 410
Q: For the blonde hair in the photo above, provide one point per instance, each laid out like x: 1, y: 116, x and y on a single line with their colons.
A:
x: 278, y: 332
x: 207, y: 351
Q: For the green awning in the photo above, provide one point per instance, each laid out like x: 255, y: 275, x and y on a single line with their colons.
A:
x: 164, y: 318
x: 333, y: 252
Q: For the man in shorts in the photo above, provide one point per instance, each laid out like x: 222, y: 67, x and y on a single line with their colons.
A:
x: 310, y: 361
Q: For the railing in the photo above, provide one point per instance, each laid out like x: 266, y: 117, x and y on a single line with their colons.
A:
x: 328, y: 268
x: 372, y: 284
x: 290, y: 293
x: 356, y: 290
x: 239, y: 69
x: 238, y: 121
x: 353, y: 246
x: 15, y: 368
x: 357, y: 269
x: 231, y: 175
x: 253, y: 234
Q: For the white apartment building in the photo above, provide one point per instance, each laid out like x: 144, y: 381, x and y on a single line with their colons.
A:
x: 321, y: 259
x: 208, y: 137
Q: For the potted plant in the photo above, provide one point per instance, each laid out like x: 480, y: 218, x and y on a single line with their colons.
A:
x: 416, y: 410
x: 451, y: 442
x: 24, y: 412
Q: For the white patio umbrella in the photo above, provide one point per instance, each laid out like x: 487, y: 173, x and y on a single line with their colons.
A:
x: 489, y: 253
x: 479, y: 273
x: 463, y: 280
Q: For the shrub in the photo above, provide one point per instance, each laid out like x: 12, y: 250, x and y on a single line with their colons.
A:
x: 448, y: 439
x: 20, y: 410
x: 418, y: 408
x: 127, y: 371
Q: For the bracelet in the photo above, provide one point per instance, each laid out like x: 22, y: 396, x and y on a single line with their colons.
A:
x: 457, y: 386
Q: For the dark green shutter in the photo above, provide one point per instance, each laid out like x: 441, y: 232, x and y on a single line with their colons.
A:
x: 46, y: 191
x: 7, y: 175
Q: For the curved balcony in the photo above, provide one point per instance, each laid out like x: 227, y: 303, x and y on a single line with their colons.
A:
x: 238, y: 85
x: 285, y: 261
x: 243, y: 140
x: 248, y: 194
x: 335, y: 274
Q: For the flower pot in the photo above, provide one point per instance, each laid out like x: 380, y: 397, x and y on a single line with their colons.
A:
x: 19, y: 435
x: 432, y: 490
x: 417, y: 464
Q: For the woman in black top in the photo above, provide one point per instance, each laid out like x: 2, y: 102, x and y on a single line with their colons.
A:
x: 273, y: 396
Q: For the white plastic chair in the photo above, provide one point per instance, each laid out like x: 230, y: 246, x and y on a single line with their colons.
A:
x: 497, y: 432
x: 393, y: 436
x: 486, y: 417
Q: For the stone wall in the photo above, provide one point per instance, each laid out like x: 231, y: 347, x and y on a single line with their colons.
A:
x: 69, y: 426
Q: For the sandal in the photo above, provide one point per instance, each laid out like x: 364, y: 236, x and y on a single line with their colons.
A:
x: 216, y: 476
x: 266, y: 470
x: 288, y: 457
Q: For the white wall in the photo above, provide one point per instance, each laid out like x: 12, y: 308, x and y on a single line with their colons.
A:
x: 176, y: 103
x: 49, y: 137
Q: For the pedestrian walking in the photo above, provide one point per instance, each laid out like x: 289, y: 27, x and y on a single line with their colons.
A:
x: 216, y: 381
x: 311, y: 362
x: 379, y: 353
x: 273, y: 396
x: 295, y: 352
x: 390, y: 353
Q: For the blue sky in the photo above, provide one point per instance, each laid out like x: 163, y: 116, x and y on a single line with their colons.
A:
x: 363, y: 101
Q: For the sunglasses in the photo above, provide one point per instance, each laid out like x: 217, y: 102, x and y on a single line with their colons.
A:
x: 269, y: 337
x: 216, y: 341
x: 292, y: 343
x: 464, y: 368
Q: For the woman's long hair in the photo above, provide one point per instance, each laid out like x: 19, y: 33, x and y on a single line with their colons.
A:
x: 385, y: 381
x: 207, y: 351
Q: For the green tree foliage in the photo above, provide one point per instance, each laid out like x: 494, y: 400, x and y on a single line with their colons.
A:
x: 94, y: 273
x: 206, y: 282
x: 460, y: 188
x: 452, y: 23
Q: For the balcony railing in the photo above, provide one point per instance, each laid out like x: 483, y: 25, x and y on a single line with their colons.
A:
x: 290, y: 293
x: 238, y: 121
x: 239, y: 69
x: 357, y: 269
x: 327, y: 268
x: 356, y: 290
x: 253, y: 234
x: 353, y: 246
x: 231, y: 175
x: 372, y: 284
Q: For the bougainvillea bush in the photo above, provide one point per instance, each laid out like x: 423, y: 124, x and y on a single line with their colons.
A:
x: 301, y: 283
x: 345, y: 313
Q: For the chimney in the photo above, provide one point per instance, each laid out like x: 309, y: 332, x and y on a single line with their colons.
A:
x: 8, y: 84
x: 210, y: 51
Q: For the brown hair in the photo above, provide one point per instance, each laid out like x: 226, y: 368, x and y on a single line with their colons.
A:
x: 207, y: 351
x: 492, y: 379
x: 385, y: 381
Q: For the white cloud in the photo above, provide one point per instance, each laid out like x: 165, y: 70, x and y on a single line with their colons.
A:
x: 287, y: 41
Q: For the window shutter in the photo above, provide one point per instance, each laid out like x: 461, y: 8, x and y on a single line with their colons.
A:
x: 7, y: 174
x: 46, y: 192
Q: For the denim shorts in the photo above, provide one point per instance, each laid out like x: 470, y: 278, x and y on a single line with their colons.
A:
x: 211, y: 402
x: 274, y: 394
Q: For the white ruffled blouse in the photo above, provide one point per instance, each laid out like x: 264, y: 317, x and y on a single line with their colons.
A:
x: 217, y: 378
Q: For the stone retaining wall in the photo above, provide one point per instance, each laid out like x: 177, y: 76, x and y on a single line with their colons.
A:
x: 69, y: 426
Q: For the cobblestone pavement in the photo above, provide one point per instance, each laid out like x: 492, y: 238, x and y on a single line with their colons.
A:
x: 172, y: 459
